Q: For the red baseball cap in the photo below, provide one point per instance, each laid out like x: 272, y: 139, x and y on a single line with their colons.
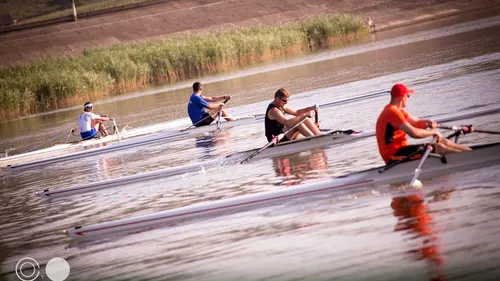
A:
x: 400, y: 90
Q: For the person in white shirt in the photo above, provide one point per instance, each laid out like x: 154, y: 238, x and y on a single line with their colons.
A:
x: 90, y: 123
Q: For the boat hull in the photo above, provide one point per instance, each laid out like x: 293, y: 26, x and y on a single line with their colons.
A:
x: 335, y: 137
x: 28, y: 163
x: 481, y: 156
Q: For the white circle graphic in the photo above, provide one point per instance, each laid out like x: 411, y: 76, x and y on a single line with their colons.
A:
x: 57, y: 269
x: 31, y: 264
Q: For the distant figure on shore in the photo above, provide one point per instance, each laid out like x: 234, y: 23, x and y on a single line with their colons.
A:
x: 198, y: 103
x: 370, y: 24
x: 90, y: 123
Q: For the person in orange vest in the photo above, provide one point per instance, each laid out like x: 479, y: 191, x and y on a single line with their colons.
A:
x: 394, y: 123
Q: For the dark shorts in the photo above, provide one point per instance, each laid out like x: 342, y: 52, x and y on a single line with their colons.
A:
x: 209, y: 119
x: 416, y: 149
x: 88, y: 134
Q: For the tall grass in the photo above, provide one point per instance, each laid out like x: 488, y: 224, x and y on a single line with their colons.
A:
x: 53, y: 83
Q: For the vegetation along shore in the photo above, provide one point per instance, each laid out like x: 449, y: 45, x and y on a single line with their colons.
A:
x: 100, y: 72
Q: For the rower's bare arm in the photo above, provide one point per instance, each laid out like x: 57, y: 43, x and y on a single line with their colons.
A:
x: 290, y: 110
x: 216, y: 98
x: 208, y: 99
x: 214, y: 106
x: 416, y: 132
x: 275, y: 114
x: 305, y: 110
x: 102, y: 118
x: 421, y: 123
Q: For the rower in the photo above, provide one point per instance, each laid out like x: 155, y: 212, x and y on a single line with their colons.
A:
x: 394, y: 123
x: 276, y: 121
x: 198, y: 104
x: 90, y: 123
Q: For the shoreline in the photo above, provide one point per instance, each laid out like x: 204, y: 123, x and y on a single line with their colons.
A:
x: 56, y: 95
x: 163, y: 20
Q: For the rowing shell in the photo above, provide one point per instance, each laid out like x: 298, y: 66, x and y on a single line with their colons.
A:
x: 480, y: 156
x: 69, y: 147
x: 330, y: 138
x: 58, y: 149
x: 134, y: 142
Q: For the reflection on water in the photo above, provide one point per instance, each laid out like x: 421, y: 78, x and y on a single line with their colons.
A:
x: 415, y: 220
x: 347, y: 235
x: 295, y: 168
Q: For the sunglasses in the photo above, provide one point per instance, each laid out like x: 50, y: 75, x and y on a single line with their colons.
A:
x: 284, y: 100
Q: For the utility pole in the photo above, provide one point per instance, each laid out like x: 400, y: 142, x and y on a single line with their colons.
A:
x: 74, y: 10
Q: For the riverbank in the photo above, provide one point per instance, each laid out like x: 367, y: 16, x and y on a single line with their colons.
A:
x: 170, y: 19
x: 161, y: 20
x: 55, y: 83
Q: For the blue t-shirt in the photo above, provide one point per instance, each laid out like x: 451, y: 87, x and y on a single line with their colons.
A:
x: 196, y: 108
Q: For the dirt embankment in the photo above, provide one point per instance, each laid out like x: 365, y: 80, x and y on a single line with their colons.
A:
x: 160, y: 20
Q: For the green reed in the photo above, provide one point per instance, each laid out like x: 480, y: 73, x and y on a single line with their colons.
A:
x: 97, y: 73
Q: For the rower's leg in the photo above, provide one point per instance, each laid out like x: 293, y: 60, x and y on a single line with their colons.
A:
x: 304, y: 130
x: 98, y: 127
x: 295, y: 134
x: 442, y: 148
x: 227, y: 116
x: 101, y: 128
x: 312, y: 127
x: 455, y: 146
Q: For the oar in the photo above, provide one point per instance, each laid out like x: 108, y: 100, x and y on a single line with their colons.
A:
x: 51, y: 140
x: 467, y: 129
x: 316, y: 115
x: 356, y: 98
x: 418, y: 170
x: 117, y: 131
x: 274, y: 141
x: 199, y: 122
x: 219, y: 117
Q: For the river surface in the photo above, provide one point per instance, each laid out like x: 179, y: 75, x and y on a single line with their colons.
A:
x: 447, y: 230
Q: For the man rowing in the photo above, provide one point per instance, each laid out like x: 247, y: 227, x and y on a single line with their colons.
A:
x: 90, y: 123
x: 394, y: 123
x: 198, y: 104
x: 276, y: 121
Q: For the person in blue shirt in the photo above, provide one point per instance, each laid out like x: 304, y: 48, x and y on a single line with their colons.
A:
x: 198, y: 105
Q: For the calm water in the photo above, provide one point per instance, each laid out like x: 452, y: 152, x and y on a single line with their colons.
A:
x: 447, y: 230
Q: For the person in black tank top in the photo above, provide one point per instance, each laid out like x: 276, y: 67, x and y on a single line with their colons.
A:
x: 276, y: 122
x: 273, y: 127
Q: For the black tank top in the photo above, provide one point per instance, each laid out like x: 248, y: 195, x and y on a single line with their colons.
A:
x: 273, y: 127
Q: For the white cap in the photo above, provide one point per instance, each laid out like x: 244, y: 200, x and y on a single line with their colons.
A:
x: 88, y: 105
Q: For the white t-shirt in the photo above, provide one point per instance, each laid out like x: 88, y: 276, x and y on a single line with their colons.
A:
x: 84, y: 121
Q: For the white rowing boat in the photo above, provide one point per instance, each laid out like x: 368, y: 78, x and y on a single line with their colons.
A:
x: 60, y: 149
x: 328, y: 139
x: 41, y: 160
x: 480, y: 156
x: 175, y: 135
